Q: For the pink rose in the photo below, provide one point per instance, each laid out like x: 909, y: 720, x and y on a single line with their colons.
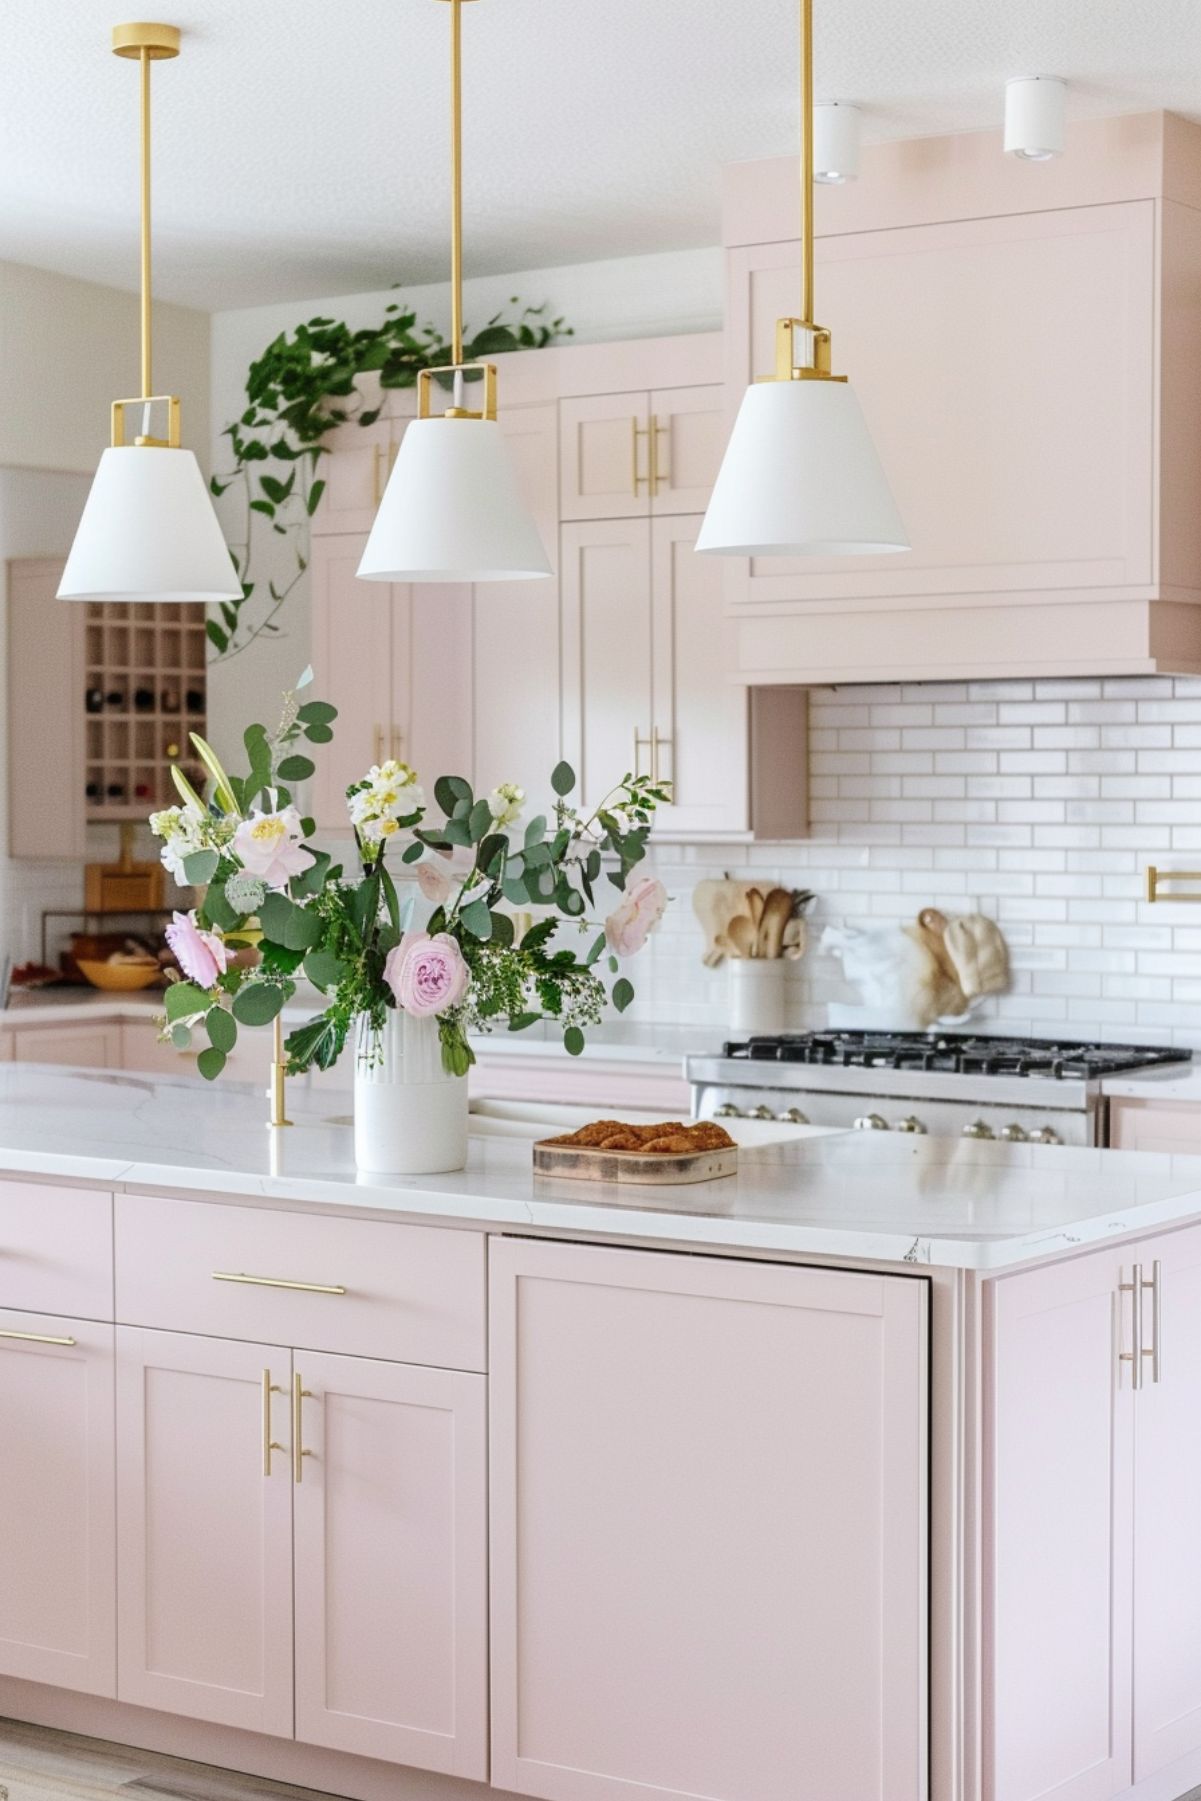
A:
x: 269, y: 845
x: 639, y: 912
x: 427, y: 975
x: 201, y: 955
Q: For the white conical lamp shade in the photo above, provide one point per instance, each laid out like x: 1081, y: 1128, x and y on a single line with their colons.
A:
x: 451, y: 511
x: 801, y: 477
x: 149, y: 532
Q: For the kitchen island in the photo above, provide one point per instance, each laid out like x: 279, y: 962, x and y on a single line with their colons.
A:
x: 864, y: 1475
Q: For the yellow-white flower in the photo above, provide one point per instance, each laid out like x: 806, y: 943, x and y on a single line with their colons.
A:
x: 506, y: 803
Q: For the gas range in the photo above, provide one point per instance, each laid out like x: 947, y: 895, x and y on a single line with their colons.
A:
x: 1022, y: 1090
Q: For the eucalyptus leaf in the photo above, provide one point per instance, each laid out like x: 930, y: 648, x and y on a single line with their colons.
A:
x: 201, y: 867
x: 258, y: 1003
x: 210, y: 1063
x: 562, y: 779
x: 573, y: 1041
x: 183, y: 998
x: 222, y: 1029
x: 623, y: 994
x: 479, y: 820
x: 324, y: 970
x: 297, y: 769
x: 535, y: 831
x: 477, y: 919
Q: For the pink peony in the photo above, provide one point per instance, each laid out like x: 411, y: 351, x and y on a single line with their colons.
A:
x: 639, y: 912
x: 201, y: 955
x: 269, y: 845
x: 427, y: 975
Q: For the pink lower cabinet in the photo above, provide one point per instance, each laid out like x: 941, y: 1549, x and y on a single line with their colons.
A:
x: 708, y: 1528
x: 391, y: 1563
x: 205, y: 1545
x: 1092, y: 1559
x: 57, y: 1549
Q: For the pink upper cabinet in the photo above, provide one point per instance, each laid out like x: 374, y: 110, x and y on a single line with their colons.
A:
x: 1023, y: 344
x: 708, y: 1528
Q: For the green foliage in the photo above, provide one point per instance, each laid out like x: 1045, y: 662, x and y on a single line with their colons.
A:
x: 303, y: 387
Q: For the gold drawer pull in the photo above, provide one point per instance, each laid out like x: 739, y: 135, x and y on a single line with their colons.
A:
x: 269, y: 1444
x: 37, y: 1338
x: 300, y: 1394
x: 221, y: 1275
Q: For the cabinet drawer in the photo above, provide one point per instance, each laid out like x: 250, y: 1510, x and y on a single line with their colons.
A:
x: 56, y: 1250
x: 369, y: 1288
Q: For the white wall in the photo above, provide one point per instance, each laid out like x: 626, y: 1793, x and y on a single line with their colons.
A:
x: 38, y: 515
x: 631, y: 297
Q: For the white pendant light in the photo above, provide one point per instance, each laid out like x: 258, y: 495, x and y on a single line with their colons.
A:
x: 1035, y: 107
x: 148, y: 530
x: 452, y: 511
x: 801, y: 476
x: 835, y: 142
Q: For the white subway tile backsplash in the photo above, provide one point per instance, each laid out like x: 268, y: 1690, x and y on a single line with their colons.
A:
x: 1039, y: 804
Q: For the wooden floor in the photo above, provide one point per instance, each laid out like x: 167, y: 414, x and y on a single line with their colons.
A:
x: 39, y: 1765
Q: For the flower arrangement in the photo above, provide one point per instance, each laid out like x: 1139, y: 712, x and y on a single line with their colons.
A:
x: 268, y: 890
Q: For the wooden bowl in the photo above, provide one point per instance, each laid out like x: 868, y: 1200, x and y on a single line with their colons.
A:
x: 119, y: 978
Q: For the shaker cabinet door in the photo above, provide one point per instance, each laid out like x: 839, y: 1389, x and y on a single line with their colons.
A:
x: 1058, y: 1439
x: 353, y: 631
x: 204, y: 1620
x: 606, y: 582
x: 700, y: 730
x: 57, y: 1551
x: 391, y: 1564
x: 1167, y: 1544
x: 690, y: 428
x: 708, y: 1528
x: 605, y: 466
x: 355, y: 473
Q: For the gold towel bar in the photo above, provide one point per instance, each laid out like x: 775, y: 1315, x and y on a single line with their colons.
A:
x: 1157, y: 880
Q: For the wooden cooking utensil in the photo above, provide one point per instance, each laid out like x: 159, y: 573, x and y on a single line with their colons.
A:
x: 777, y: 911
x: 742, y: 936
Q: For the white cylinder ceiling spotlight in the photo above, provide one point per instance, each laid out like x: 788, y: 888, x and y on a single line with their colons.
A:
x: 1035, y: 106
x: 835, y: 142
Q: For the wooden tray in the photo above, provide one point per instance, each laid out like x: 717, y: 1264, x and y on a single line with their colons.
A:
x: 586, y: 1163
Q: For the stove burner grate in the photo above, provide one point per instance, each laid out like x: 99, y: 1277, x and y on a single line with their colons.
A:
x: 955, y: 1053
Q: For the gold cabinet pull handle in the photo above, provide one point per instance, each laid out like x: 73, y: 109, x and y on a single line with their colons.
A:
x: 37, y: 1338
x: 1134, y: 1356
x: 223, y: 1275
x: 269, y: 1444
x: 398, y: 740
x: 300, y: 1394
x: 383, y: 460
x: 639, y: 741
x: 659, y: 477
x: 379, y: 744
x: 1156, y: 1287
x: 640, y: 431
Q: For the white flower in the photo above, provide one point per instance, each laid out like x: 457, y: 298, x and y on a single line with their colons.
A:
x: 184, y: 831
x: 505, y: 803
x: 387, y: 791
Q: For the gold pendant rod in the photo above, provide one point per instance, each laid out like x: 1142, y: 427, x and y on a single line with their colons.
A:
x: 147, y: 375
x: 807, y: 313
x: 456, y: 181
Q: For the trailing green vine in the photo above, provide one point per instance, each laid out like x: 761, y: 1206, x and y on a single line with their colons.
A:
x: 300, y: 389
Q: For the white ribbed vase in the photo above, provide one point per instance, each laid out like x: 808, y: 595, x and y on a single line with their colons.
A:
x: 410, y: 1117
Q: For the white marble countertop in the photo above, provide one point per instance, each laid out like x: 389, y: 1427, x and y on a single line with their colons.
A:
x: 617, y: 1041
x: 926, y: 1201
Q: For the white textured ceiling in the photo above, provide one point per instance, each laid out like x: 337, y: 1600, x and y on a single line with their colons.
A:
x: 300, y: 147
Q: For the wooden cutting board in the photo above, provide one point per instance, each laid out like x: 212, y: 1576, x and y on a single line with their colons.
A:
x: 587, y: 1163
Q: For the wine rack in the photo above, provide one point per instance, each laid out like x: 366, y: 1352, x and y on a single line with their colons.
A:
x: 144, y: 691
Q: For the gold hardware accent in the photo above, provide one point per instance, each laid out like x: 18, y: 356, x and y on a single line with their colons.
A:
x: 37, y: 1338
x: 379, y: 743
x: 639, y: 741
x: 279, y: 1073
x: 383, y: 461
x: 1156, y: 1287
x: 425, y: 378
x: 1134, y: 1356
x: 170, y: 401
x: 300, y: 1394
x: 641, y: 431
x: 221, y: 1275
x: 146, y: 43
x: 397, y: 740
x: 1157, y: 880
x: 658, y: 477
x: 817, y: 366
x: 269, y: 1444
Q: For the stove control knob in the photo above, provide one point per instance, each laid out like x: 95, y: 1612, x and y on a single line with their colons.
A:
x: 727, y: 1111
x: 1045, y: 1135
x: 910, y: 1124
x: 1014, y: 1134
x: 871, y: 1122
x: 794, y: 1117
x: 761, y: 1113
x: 978, y: 1129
